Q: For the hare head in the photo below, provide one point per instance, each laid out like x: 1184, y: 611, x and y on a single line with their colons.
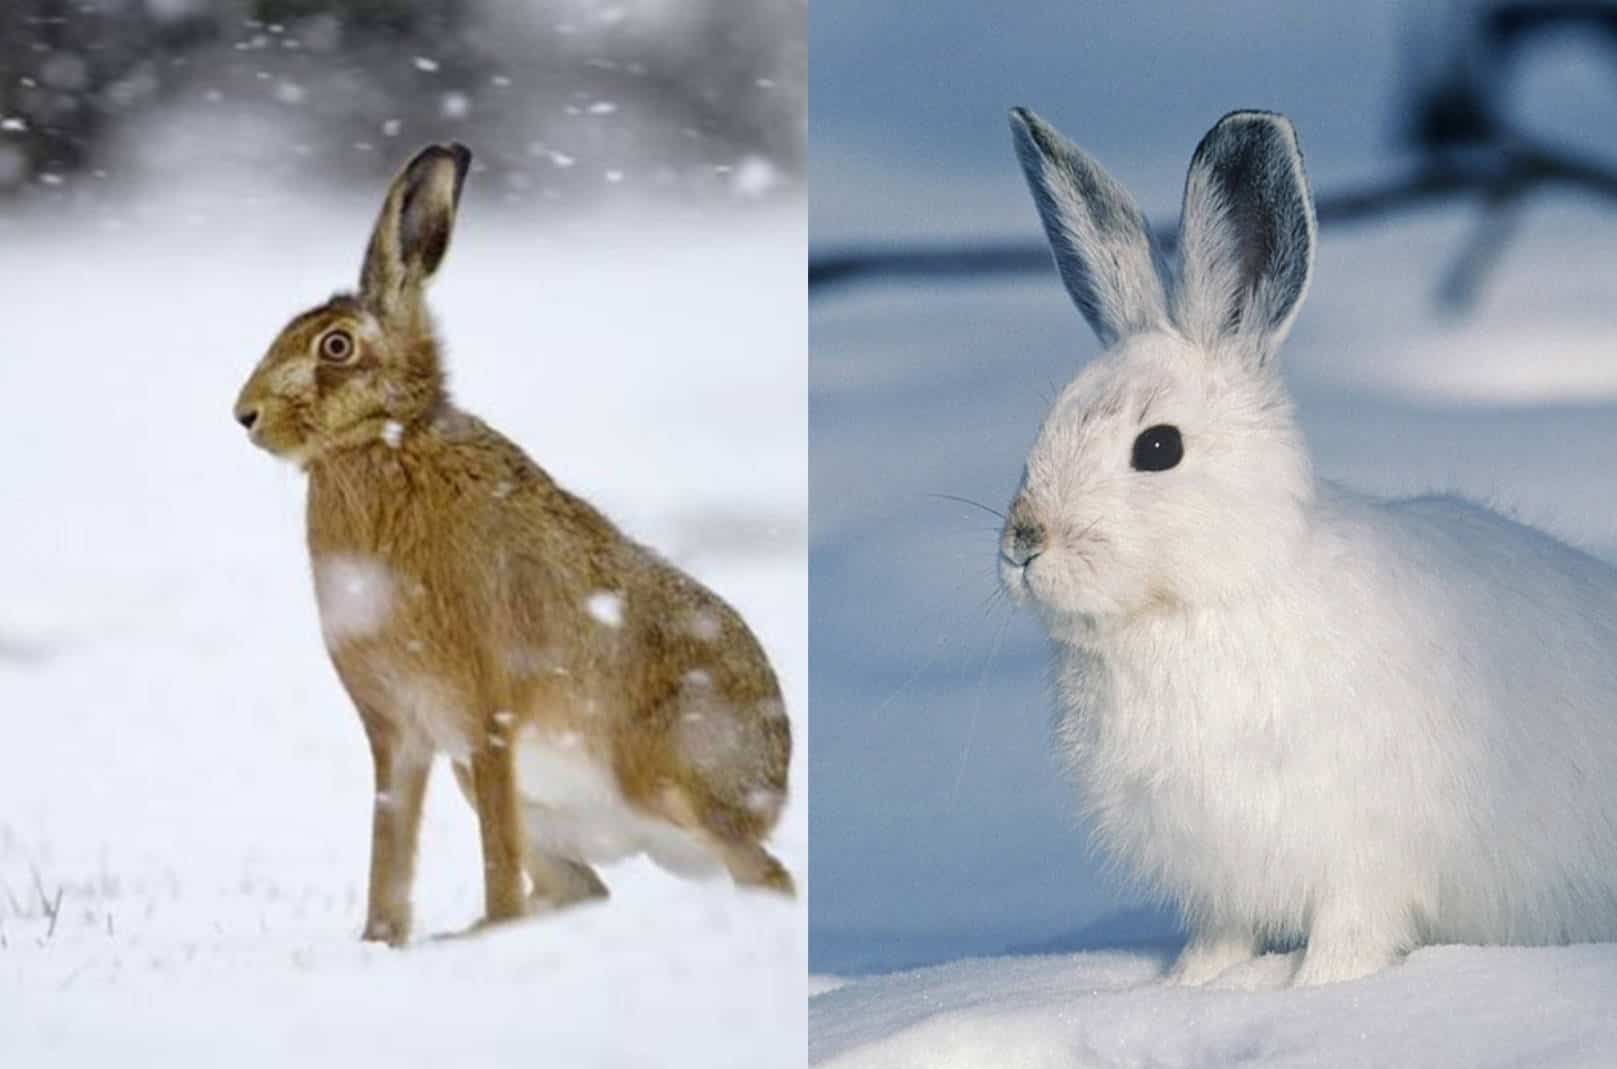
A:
x: 1170, y: 471
x: 343, y: 372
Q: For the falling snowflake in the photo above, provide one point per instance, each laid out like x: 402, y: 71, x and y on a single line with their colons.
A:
x: 355, y: 595
x: 755, y: 177
x: 606, y: 607
x: 763, y: 801
x: 703, y: 625
x: 456, y: 105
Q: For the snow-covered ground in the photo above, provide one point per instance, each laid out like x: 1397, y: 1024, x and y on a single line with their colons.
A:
x: 1447, y: 1006
x: 184, y: 789
x: 942, y: 827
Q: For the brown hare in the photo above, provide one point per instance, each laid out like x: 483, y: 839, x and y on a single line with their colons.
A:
x: 596, y: 702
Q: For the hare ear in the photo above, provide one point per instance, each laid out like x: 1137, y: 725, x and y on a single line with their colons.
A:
x: 1246, y: 240
x: 412, y: 231
x: 1101, y: 240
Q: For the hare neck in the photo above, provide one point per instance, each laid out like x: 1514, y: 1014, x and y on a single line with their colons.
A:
x: 1209, y: 624
x: 365, y: 493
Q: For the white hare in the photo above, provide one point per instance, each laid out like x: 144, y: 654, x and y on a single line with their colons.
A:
x: 1298, y: 713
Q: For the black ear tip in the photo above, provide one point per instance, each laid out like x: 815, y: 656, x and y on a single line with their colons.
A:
x: 457, y: 153
x: 1025, y: 123
x: 1033, y: 135
x: 1272, y: 122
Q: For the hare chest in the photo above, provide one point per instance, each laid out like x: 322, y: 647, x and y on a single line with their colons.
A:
x: 574, y: 809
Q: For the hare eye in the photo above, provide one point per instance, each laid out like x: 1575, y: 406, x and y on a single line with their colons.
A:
x: 1158, y: 448
x: 337, y: 346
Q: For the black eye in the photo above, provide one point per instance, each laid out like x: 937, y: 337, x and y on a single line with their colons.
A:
x: 336, y: 346
x: 1158, y: 448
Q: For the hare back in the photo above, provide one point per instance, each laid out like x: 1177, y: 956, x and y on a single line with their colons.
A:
x: 458, y: 585
x: 1422, y: 719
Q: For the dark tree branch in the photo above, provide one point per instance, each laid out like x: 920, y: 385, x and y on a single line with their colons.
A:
x: 1502, y: 178
x: 1466, y: 147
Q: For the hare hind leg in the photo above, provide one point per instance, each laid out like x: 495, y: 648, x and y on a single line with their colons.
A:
x: 555, y: 881
x: 751, y: 865
x: 731, y: 833
x: 559, y: 882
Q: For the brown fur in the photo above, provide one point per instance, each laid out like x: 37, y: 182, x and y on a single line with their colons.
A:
x: 456, y: 582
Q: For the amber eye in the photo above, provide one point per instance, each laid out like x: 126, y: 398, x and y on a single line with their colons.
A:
x: 337, y: 346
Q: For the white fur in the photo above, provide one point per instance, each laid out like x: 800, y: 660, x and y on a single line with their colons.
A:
x: 1300, y: 714
x: 574, y: 809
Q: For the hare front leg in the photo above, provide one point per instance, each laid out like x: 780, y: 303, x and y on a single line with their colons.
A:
x: 1347, y: 941
x: 499, y: 820
x: 401, y: 765
x: 1210, y: 953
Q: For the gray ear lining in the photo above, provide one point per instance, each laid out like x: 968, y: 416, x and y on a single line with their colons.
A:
x: 1099, y: 237
x: 1247, y: 234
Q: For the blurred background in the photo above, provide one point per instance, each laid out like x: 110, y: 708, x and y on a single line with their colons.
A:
x: 1461, y: 334
x: 184, y: 789
x: 565, y: 97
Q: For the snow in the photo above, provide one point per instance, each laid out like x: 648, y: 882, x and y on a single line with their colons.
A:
x: 456, y: 105
x: 355, y: 596
x: 755, y: 176
x: 942, y: 826
x: 606, y: 607
x: 181, y: 769
x: 1447, y: 1006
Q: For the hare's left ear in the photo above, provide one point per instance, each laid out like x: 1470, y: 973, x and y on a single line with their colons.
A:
x: 1100, y: 238
x: 412, y: 231
x: 1246, y: 240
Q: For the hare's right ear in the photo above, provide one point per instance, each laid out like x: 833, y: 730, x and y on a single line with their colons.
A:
x: 1101, y: 240
x: 1246, y: 241
x: 412, y: 231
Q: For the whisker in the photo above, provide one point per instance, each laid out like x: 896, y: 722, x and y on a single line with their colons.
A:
x: 940, y: 646
x: 977, y: 704
x: 969, y: 501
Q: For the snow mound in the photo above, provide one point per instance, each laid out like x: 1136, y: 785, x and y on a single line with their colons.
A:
x: 1445, y: 1006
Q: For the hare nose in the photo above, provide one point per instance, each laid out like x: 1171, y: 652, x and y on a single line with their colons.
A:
x: 247, y: 417
x: 1026, y: 542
